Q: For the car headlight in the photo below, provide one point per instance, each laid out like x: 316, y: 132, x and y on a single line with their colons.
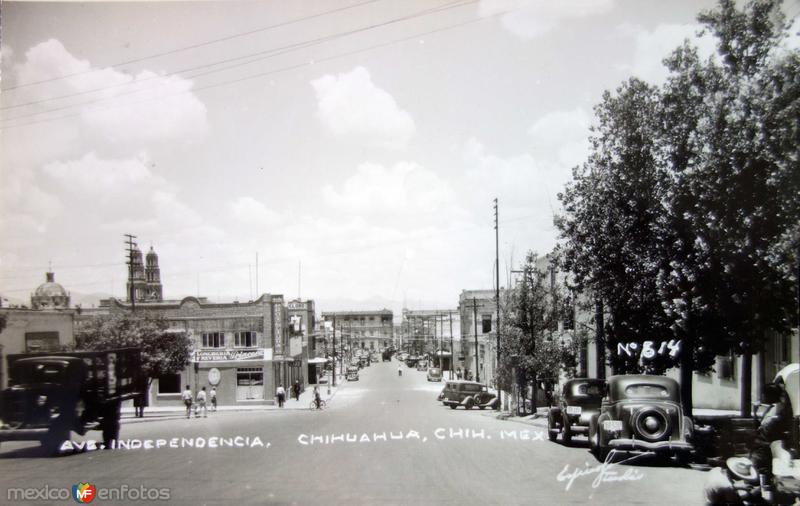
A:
x: 54, y: 413
x: 41, y: 400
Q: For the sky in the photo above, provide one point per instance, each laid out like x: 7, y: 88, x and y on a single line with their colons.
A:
x: 354, y: 146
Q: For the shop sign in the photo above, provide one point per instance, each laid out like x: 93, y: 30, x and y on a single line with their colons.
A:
x: 227, y: 355
x: 213, y: 376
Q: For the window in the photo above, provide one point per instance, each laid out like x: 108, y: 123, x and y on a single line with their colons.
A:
x: 213, y: 339
x: 245, y: 339
x: 169, y: 384
x: 725, y: 366
x: 486, y: 323
x: 249, y: 383
x: 41, y: 341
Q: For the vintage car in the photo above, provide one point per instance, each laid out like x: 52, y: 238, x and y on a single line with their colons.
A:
x: 469, y: 394
x: 434, y: 374
x: 579, y: 400
x: 422, y: 365
x: 641, y: 414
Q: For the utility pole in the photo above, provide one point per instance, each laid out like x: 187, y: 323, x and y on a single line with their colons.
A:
x: 333, y: 370
x: 475, y: 333
x: 497, y: 286
x: 132, y: 289
x: 452, y: 350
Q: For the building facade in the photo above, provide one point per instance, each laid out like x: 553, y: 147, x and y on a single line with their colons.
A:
x: 364, y: 330
x: 301, y: 339
x: 241, y: 349
x: 477, y: 311
x: 432, y: 332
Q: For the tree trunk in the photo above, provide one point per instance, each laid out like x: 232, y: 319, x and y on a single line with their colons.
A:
x: 600, y: 338
x: 746, y: 385
x: 534, y: 392
x: 687, y: 375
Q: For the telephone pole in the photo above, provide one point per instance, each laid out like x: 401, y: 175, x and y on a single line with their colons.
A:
x: 333, y: 371
x: 497, y: 286
x: 452, y: 350
x: 475, y: 333
x: 131, y: 289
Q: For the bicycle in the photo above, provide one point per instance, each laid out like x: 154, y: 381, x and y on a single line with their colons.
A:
x: 313, y: 405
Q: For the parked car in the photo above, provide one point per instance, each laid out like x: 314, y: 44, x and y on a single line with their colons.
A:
x: 50, y: 394
x: 469, y: 394
x: 641, y: 414
x: 579, y: 401
x: 434, y: 374
x: 422, y: 365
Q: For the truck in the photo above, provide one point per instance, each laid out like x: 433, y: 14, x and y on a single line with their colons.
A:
x: 50, y: 394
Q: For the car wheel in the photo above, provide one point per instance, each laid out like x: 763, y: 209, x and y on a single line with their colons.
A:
x: 593, y: 435
x: 566, y: 435
x: 682, y: 459
x: 552, y: 431
x: 469, y: 404
x: 453, y: 406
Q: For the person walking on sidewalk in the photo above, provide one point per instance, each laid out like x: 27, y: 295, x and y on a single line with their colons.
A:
x: 296, y: 390
x: 186, y: 397
x: 281, y: 394
x: 213, y: 395
x: 201, y: 404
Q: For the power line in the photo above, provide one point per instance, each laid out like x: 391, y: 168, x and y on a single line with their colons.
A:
x: 254, y: 57
x: 192, y: 46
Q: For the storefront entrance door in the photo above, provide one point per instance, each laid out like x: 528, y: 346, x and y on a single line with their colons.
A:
x: 249, y: 384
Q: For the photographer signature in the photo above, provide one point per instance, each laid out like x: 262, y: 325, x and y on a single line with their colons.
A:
x: 604, y: 473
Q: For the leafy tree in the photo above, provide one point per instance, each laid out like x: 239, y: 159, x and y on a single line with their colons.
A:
x: 164, y: 351
x: 531, y: 346
x: 611, y: 225
x: 731, y: 136
x: 686, y: 213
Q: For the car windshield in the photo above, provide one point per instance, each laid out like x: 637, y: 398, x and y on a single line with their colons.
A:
x: 645, y: 390
x: 42, y: 372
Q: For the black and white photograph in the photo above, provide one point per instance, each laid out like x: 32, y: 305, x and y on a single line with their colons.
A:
x: 400, y: 252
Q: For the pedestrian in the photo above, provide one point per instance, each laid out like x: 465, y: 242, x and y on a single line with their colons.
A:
x: 137, y: 405
x: 296, y: 390
x: 399, y: 370
x: 201, y: 403
x: 187, y: 396
x: 281, y: 394
x: 213, y: 395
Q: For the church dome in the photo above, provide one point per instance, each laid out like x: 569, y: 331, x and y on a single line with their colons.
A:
x: 50, y: 288
x: 50, y: 294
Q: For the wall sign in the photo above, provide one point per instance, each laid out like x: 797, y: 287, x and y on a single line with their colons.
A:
x: 225, y: 355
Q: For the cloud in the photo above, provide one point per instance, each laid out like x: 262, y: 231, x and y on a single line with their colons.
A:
x: 351, y: 106
x: 251, y: 211
x: 405, y: 187
x: 127, y: 109
x: 529, y: 19
x: 652, y: 46
x: 94, y: 175
x: 562, y: 137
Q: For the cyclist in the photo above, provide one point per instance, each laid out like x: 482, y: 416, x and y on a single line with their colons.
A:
x: 317, y: 398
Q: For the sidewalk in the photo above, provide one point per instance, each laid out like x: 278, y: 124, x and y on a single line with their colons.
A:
x: 174, y: 412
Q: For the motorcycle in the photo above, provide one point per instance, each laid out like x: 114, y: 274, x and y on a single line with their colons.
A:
x: 738, y: 481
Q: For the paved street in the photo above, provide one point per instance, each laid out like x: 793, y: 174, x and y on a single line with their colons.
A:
x: 430, y: 455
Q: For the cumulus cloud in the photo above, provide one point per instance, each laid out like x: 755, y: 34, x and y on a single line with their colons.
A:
x: 102, y: 176
x: 351, y: 105
x: 533, y: 18
x: 130, y: 109
x: 406, y: 186
x: 562, y: 137
x: 652, y: 46
x: 251, y: 211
